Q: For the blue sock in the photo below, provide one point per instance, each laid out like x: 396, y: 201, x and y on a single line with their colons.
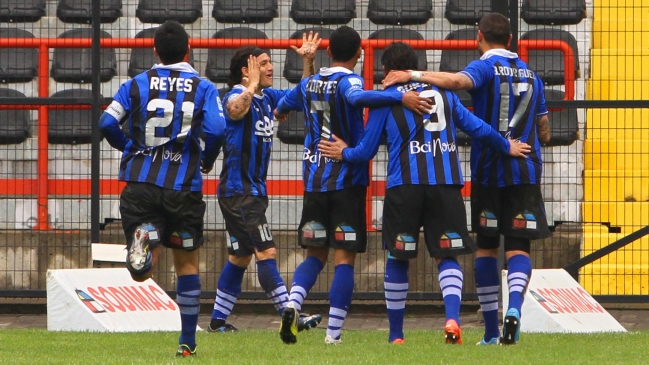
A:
x: 303, y: 280
x: 518, y: 276
x: 488, y: 284
x: 272, y: 283
x: 396, y: 289
x: 188, y: 292
x: 450, y: 281
x: 227, y: 291
x: 340, y: 298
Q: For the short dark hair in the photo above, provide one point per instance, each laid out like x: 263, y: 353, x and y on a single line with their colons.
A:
x: 344, y: 43
x: 240, y: 59
x: 495, y: 28
x: 399, y: 56
x: 171, y: 41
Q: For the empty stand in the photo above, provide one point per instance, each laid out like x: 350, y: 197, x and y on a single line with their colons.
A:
x: 218, y: 59
x: 17, y: 11
x: 294, y: 66
x: 142, y: 59
x: 244, y: 11
x: 323, y: 11
x: 80, y: 11
x: 556, y: 12
x: 70, y: 126
x: 293, y: 130
x: 17, y: 64
x: 395, y: 34
x: 563, y: 123
x: 399, y: 12
x: 159, y: 11
x: 455, y: 61
x: 75, y: 64
x: 15, y: 126
x: 466, y: 11
x: 548, y: 64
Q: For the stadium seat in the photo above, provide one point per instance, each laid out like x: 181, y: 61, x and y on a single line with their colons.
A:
x: 79, y: 11
x: 455, y: 61
x: 395, y: 34
x: 142, y: 59
x: 553, y: 12
x: 15, y: 126
x: 75, y: 64
x: 70, y: 126
x: 323, y: 11
x: 17, y: 64
x: 466, y: 11
x: 548, y: 64
x: 293, y: 66
x: 159, y: 11
x: 398, y: 12
x: 563, y: 123
x: 293, y: 130
x: 223, y: 92
x: 244, y: 11
x: 18, y: 11
x: 218, y: 59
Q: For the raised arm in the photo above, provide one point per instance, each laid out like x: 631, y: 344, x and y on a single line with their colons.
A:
x: 307, y: 51
x: 239, y: 105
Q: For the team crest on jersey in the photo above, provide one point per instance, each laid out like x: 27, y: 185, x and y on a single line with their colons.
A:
x: 451, y: 240
x: 524, y: 221
x: 89, y: 302
x: 488, y: 219
x: 345, y: 233
x: 231, y: 241
x: 405, y: 242
x: 181, y: 239
x: 313, y: 230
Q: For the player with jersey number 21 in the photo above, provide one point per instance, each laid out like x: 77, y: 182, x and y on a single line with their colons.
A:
x: 165, y: 110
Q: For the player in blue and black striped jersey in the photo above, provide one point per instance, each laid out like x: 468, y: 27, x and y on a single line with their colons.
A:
x: 164, y: 111
x: 506, y: 194
x: 423, y: 186
x: 242, y: 191
x: 333, y: 213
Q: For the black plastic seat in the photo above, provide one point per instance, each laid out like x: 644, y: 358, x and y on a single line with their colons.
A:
x: 293, y: 130
x: 549, y: 64
x: 70, y: 126
x: 17, y: 64
x: 18, y: 11
x: 553, y: 12
x: 396, y: 12
x: 142, y: 59
x: 466, y: 11
x: 80, y: 11
x: 323, y: 11
x: 15, y: 126
x: 455, y: 61
x: 395, y: 34
x: 218, y: 59
x: 564, y: 127
x: 293, y: 65
x: 159, y: 11
x: 75, y: 64
x: 244, y: 11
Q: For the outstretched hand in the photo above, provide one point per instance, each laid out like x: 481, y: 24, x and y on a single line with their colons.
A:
x: 309, y: 46
x: 395, y: 77
x: 518, y: 149
x: 332, y: 149
x: 416, y: 103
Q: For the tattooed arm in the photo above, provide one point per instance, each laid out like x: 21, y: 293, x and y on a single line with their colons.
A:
x: 543, y: 129
x: 239, y: 106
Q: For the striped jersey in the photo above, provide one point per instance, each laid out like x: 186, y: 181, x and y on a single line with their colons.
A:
x: 422, y: 149
x: 333, y: 102
x: 166, y: 109
x: 248, y: 143
x: 509, y: 96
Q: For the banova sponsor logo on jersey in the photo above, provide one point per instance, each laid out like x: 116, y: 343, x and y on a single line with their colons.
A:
x: 264, y: 128
x: 316, y: 158
x: 434, y: 121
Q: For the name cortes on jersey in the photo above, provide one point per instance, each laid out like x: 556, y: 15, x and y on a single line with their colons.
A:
x: 170, y: 84
x: 322, y: 86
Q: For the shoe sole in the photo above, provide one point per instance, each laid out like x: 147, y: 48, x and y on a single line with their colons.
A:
x: 452, y: 338
x: 510, y: 327
x: 289, y: 323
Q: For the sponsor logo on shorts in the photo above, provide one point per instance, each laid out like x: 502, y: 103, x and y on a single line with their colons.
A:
x: 313, y: 230
x: 524, y: 221
x: 345, y: 233
x: 451, y: 240
x: 89, y: 302
x: 182, y: 239
x: 488, y: 219
x: 405, y: 242
x: 232, y: 242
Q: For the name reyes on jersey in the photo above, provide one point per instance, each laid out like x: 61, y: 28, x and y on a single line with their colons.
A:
x: 171, y: 84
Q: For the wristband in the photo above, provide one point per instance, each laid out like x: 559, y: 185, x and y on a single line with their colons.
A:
x: 415, y: 75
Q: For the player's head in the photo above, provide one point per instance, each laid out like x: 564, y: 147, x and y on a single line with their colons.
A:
x: 399, y: 56
x: 493, y: 32
x: 171, y: 42
x: 344, y: 45
x: 239, y: 66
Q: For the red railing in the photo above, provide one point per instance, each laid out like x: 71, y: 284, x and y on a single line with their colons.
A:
x: 43, y: 186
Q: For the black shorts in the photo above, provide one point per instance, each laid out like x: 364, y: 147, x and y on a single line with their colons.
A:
x: 334, y: 219
x: 438, y: 208
x: 176, y: 215
x: 245, y: 221
x: 513, y: 211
